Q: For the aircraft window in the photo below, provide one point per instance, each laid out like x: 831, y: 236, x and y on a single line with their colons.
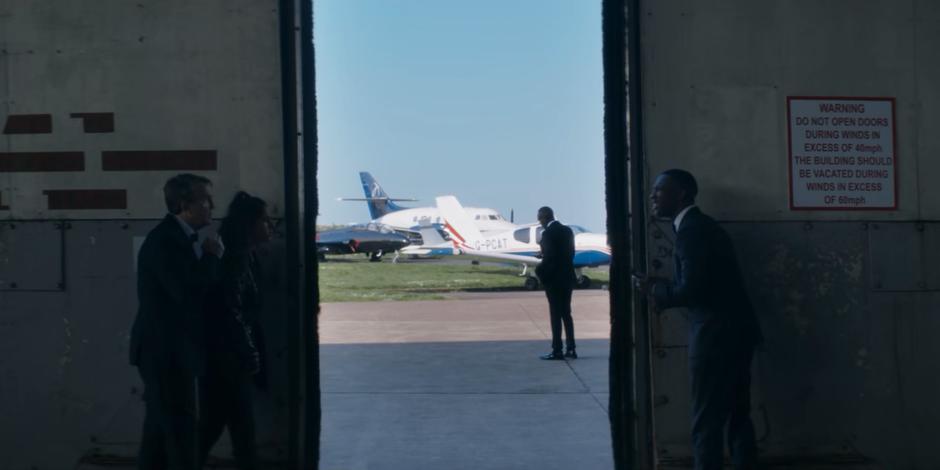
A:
x: 538, y: 234
x: 438, y: 220
x: 522, y: 235
x: 477, y: 217
x: 493, y: 217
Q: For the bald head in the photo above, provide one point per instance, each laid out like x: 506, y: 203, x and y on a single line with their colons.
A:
x: 545, y: 215
x: 673, y: 191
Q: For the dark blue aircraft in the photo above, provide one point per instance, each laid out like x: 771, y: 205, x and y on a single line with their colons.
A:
x: 372, y: 239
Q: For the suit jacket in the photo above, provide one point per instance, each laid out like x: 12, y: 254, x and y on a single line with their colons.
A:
x: 557, y: 267
x: 708, y: 282
x: 169, y: 330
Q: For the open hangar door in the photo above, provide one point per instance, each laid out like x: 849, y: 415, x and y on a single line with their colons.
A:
x: 845, y: 298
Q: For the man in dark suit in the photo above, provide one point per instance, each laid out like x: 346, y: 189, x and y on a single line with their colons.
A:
x: 556, y: 272
x: 723, y: 330
x: 167, y: 345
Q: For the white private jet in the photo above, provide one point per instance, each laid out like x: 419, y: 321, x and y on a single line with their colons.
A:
x: 385, y: 211
x: 518, y: 246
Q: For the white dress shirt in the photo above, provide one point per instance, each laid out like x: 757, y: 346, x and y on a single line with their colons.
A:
x: 678, y: 221
x: 197, y: 248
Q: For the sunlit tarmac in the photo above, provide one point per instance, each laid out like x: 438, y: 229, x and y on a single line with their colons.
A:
x: 458, y: 384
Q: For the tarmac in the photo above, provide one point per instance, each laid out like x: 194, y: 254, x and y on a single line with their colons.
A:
x: 457, y: 384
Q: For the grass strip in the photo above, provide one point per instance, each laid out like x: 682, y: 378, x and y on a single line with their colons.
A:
x: 354, y: 279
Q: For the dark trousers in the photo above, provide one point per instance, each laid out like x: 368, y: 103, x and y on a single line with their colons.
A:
x: 721, y: 398
x: 169, y: 438
x: 227, y: 399
x: 559, y: 309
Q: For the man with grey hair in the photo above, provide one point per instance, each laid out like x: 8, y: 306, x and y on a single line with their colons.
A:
x: 174, y: 272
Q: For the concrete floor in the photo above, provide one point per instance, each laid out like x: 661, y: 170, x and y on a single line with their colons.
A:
x: 457, y: 384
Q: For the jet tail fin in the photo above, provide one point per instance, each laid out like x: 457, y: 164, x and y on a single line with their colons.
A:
x: 457, y: 222
x: 378, y: 201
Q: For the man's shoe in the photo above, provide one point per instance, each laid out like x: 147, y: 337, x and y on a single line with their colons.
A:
x: 571, y: 354
x: 552, y: 356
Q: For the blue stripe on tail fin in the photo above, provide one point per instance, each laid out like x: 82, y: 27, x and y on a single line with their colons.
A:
x: 377, y: 200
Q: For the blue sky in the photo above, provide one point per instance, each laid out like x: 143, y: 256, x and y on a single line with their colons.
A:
x: 499, y: 102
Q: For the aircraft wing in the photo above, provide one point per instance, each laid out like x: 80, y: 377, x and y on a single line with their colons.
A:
x: 337, y: 246
x: 500, y: 257
x: 369, y: 199
x: 430, y: 236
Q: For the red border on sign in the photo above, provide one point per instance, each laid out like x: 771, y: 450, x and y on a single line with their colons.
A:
x: 894, y: 136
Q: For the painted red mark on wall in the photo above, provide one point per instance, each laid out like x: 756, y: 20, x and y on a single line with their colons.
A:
x: 81, y: 199
x: 60, y: 161
x: 96, y: 123
x: 12, y: 162
x: 28, y: 124
x: 157, y: 160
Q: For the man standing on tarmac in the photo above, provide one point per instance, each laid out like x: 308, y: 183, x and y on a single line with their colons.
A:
x: 556, y: 272
x: 723, y: 330
x: 174, y: 272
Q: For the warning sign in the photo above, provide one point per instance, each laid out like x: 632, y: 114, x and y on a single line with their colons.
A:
x: 842, y: 153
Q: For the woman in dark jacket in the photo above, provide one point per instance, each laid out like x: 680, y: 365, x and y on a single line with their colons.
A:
x: 233, y: 333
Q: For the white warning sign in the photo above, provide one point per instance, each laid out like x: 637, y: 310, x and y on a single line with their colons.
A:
x: 842, y: 153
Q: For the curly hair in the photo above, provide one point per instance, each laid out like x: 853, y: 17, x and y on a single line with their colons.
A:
x: 243, y: 213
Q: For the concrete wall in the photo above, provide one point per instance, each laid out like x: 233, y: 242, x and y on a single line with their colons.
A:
x: 717, y: 74
x: 178, y: 75
x: 847, y: 299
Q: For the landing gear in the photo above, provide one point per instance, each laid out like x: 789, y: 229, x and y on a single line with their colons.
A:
x: 584, y: 282
x: 531, y: 283
x: 375, y: 256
